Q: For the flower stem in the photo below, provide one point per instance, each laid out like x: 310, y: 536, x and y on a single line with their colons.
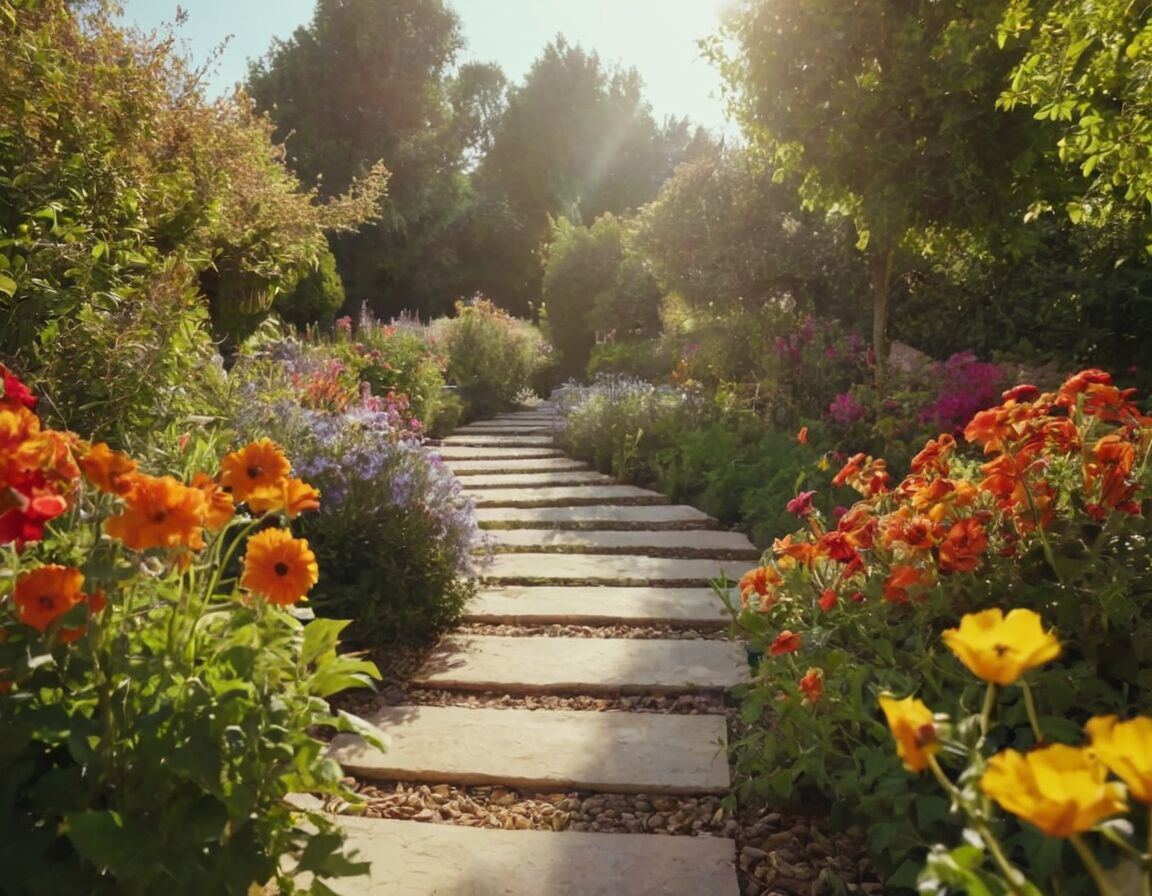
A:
x: 986, y: 712
x: 1033, y: 718
x: 1094, y: 869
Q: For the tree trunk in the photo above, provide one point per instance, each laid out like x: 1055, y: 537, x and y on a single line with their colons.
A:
x: 881, y: 264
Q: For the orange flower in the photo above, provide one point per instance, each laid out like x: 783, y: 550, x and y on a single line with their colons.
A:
x: 934, y: 455
x: 254, y: 467
x: 761, y: 581
x: 963, y: 546
x: 96, y: 604
x: 47, y: 593
x: 160, y: 512
x: 786, y: 642
x: 289, y: 495
x: 800, y: 552
x: 827, y: 599
x: 281, y: 568
x: 905, y: 582
x: 802, y: 436
x: 812, y: 684
x: 108, y: 470
x: 219, y: 507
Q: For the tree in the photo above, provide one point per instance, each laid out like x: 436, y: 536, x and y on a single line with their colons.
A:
x: 884, y: 111
x: 721, y: 231
x: 576, y: 141
x: 368, y: 80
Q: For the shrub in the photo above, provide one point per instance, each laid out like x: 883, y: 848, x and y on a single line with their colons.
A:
x: 156, y: 713
x: 316, y: 297
x: 644, y: 359
x: 619, y: 423
x: 395, y: 534
x: 1051, y: 520
x: 491, y: 356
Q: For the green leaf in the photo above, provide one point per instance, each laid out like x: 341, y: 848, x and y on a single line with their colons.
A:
x: 100, y: 837
x: 7, y: 285
x: 321, y: 636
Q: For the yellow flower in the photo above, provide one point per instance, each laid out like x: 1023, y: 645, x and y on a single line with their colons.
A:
x: 1060, y: 789
x: 1126, y: 748
x: 998, y: 648
x: 279, y: 567
x: 914, y: 729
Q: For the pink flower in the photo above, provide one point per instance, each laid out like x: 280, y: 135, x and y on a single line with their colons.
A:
x: 801, y: 505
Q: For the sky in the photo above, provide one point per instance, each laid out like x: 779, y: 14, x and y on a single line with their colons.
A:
x: 657, y: 37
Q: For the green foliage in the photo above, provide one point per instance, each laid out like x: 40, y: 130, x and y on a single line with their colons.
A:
x: 315, y: 298
x: 121, y: 190
x: 491, y: 357
x: 646, y: 359
x: 389, y: 97
x: 722, y: 234
x: 594, y: 288
x: 1087, y: 70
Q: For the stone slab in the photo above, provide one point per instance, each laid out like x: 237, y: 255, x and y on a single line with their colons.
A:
x: 543, y: 479
x: 588, y: 605
x: 507, y: 427
x: 604, y: 516
x: 464, y: 468
x: 567, y: 496
x: 544, y: 751
x: 532, y: 665
x: 451, y: 453
x: 491, y: 441
x: 583, y: 569
x: 654, y: 543
x: 412, y: 859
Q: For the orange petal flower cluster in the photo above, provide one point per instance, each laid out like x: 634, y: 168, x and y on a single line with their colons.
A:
x: 257, y: 475
x: 45, y: 594
x: 279, y: 567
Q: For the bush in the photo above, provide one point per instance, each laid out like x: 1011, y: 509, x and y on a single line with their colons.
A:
x: 316, y: 297
x: 619, y: 424
x: 156, y: 721
x: 395, y: 534
x: 1052, y: 520
x: 491, y: 357
x: 644, y: 359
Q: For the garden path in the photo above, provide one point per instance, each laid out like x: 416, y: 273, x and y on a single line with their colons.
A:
x: 572, y: 553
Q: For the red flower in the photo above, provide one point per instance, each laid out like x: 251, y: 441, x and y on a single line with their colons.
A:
x: 827, y: 599
x: 801, y: 505
x: 963, y: 546
x: 786, y: 642
x: 15, y: 392
x: 802, y: 436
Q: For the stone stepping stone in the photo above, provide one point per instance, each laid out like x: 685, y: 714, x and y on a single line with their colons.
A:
x: 413, y: 859
x: 553, y: 478
x: 470, y: 468
x: 653, y: 543
x: 619, y: 516
x: 540, y: 665
x: 567, y: 496
x: 584, y: 569
x: 587, y: 605
x: 544, y: 751
x: 506, y: 428
x: 451, y: 453
x: 491, y: 441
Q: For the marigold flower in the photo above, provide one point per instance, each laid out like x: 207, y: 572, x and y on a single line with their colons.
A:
x: 812, y: 684
x: 1126, y: 748
x: 255, y: 466
x: 47, y: 593
x: 279, y: 567
x: 998, y: 648
x: 1060, y: 789
x: 219, y: 508
x: 108, y: 470
x: 292, y: 496
x: 160, y: 512
x: 913, y: 727
x: 786, y: 642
